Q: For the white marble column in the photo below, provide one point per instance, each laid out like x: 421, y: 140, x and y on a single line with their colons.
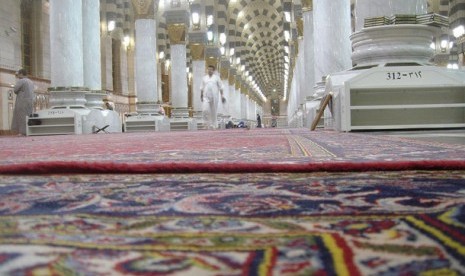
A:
x: 159, y: 91
x: 198, y: 71
x: 232, y: 101
x: 125, y: 72
x: 66, y: 43
x: 292, y: 103
x: 91, y: 53
x: 238, y: 104
x: 224, y: 107
x: 304, y: 89
x: 237, y: 98
x: 252, y: 110
x: 290, y: 99
x: 308, y: 51
x: 247, y: 108
x: 309, y: 58
x: 91, y: 44
x: 178, y: 78
x: 146, y: 65
x: 332, y: 42
x: 243, y: 107
x: 374, y: 8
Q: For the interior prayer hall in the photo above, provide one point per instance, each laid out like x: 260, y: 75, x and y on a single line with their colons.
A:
x: 232, y: 137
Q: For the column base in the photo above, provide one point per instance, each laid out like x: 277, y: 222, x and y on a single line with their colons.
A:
x: 146, y: 123
x: 393, y: 44
x: 198, y: 117
x: 95, y: 99
x: 148, y: 108
x: 180, y: 112
x: 183, y: 124
x: 222, y: 121
x: 63, y: 97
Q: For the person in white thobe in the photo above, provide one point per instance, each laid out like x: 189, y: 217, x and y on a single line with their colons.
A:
x: 24, y: 104
x: 210, y: 89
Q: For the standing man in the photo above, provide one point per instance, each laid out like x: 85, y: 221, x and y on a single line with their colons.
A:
x: 259, y: 121
x: 211, y: 84
x: 24, y: 105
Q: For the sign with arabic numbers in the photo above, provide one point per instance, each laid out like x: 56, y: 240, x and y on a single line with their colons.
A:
x: 55, y: 112
x: 398, y: 75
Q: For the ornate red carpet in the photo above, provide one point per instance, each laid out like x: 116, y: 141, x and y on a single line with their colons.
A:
x: 231, y: 203
x: 370, y: 223
x: 227, y: 151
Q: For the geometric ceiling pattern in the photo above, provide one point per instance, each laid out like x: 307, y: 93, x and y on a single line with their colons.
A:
x: 258, y: 27
x: 255, y: 30
x: 263, y: 34
x: 260, y: 35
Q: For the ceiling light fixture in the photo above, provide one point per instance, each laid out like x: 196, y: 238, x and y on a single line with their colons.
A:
x: 287, y: 35
x: 111, y: 25
x: 209, y: 20
x: 458, y: 31
x: 287, y: 16
x: 222, y: 38
x: 210, y: 36
x: 195, y: 18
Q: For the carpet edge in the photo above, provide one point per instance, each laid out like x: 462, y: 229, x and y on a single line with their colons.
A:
x: 62, y: 167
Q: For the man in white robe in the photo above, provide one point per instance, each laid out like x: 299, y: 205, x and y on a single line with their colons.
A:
x: 210, y: 88
x: 24, y: 104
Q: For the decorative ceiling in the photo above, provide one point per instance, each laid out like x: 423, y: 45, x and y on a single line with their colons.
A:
x: 256, y: 46
x: 257, y: 28
x: 263, y: 34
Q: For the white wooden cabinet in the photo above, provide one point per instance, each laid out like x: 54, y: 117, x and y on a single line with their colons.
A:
x: 54, y: 122
x: 403, y: 97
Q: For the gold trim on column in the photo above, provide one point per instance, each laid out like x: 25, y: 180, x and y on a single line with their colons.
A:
x: 238, y: 84
x: 211, y: 61
x: 300, y: 27
x: 307, y: 5
x: 224, y: 73
x: 231, y: 79
x: 177, y: 33
x: 296, y: 45
x: 243, y: 89
x: 144, y: 9
x: 197, y: 51
x: 132, y: 101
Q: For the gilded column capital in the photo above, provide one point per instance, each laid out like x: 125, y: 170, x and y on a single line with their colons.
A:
x: 144, y: 9
x: 243, y: 89
x: 224, y: 73
x: 231, y: 79
x: 238, y: 83
x: 300, y: 27
x: 307, y: 5
x: 296, y: 45
x: 224, y: 69
x: 212, y: 61
x: 197, y: 51
x: 177, y: 33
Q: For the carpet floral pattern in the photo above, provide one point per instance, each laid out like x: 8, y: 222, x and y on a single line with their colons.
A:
x: 280, y: 146
x: 372, y: 223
